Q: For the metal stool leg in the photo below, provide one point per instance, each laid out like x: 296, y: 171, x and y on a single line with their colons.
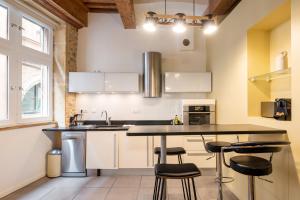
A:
x: 251, y: 188
x: 194, y: 188
x: 155, y: 188
x: 162, y: 189
x: 219, y: 175
x: 158, y: 189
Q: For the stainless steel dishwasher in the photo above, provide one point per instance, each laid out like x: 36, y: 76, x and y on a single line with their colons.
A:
x: 73, y: 153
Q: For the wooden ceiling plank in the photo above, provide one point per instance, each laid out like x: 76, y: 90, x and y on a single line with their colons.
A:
x: 73, y: 12
x: 221, y: 7
x: 126, y: 10
x: 98, y: 1
x: 101, y: 5
x: 103, y: 10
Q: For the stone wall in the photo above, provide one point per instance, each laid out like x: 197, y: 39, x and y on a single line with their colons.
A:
x: 65, y: 50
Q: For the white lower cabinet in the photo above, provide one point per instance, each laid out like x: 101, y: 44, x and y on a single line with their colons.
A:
x: 114, y: 149
x: 102, y: 150
x: 133, y: 151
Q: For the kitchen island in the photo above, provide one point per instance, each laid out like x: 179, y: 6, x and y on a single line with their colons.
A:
x: 208, y: 129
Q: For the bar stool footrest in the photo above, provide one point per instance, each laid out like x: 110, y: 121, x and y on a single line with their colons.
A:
x: 225, y: 179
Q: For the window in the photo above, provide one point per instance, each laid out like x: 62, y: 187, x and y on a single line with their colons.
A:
x: 3, y: 22
x: 25, y: 67
x: 34, y: 35
x: 3, y: 87
x: 34, y: 90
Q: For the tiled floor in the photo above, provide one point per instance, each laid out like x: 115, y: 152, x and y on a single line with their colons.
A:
x: 111, y: 188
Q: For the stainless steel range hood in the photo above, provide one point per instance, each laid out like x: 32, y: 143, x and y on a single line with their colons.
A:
x: 152, y: 74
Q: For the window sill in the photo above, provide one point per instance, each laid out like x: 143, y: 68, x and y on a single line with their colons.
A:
x: 25, y: 125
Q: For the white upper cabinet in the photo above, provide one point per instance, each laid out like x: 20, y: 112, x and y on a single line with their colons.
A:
x: 121, y: 82
x: 187, y: 82
x: 86, y: 82
x: 91, y: 82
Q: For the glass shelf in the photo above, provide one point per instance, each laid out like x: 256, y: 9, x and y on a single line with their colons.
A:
x: 271, y: 76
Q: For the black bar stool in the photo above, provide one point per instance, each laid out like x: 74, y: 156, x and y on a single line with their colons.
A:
x: 185, y: 172
x: 253, y: 166
x: 216, y: 147
x: 173, y: 151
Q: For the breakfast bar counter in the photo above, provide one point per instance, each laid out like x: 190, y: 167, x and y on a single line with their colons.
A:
x: 207, y: 129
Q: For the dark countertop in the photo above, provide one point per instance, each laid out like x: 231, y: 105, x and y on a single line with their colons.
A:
x: 218, y: 129
x: 60, y: 129
x: 117, y: 125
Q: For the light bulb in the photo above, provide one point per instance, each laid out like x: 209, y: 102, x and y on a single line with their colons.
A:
x: 210, y: 28
x: 149, y: 26
x: 179, y: 28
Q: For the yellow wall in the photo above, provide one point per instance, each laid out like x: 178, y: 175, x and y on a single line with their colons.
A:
x: 280, y: 40
x: 227, y: 59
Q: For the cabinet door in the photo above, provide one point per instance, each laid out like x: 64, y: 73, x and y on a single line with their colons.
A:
x: 102, y: 150
x: 133, y: 151
x: 86, y: 82
x: 187, y: 82
x: 121, y: 82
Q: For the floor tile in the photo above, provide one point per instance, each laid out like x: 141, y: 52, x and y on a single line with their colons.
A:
x: 113, y: 188
x: 145, y: 193
x: 62, y: 193
x: 28, y: 194
x: 148, y: 181
x: 128, y: 181
x: 92, y: 194
x: 122, y: 194
x: 101, y: 182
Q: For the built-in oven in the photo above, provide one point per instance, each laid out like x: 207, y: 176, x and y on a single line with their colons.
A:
x: 198, y: 114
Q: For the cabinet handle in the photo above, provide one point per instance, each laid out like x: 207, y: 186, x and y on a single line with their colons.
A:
x: 115, y: 141
x: 199, y: 154
x: 147, y: 151
x: 194, y: 140
x: 198, y: 140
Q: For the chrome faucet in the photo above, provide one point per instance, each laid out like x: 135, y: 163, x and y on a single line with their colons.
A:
x: 107, y: 119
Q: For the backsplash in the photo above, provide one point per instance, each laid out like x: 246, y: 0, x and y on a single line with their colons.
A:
x: 132, y: 106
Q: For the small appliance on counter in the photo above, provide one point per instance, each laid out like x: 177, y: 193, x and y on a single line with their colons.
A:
x: 279, y: 109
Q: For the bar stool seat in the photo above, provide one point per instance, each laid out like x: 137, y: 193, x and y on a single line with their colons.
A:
x: 251, y: 165
x: 216, y: 147
x: 171, y: 151
x: 186, y: 172
x: 177, y: 170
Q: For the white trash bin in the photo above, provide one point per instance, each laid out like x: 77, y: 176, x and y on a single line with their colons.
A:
x: 54, y: 163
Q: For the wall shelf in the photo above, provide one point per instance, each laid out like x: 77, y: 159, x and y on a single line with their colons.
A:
x: 271, y: 75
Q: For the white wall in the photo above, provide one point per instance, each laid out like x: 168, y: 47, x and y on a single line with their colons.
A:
x: 106, y: 46
x: 23, y: 157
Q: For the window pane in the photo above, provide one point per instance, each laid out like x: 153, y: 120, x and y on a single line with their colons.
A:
x: 3, y: 22
x: 34, y: 35
x: 3, y: 87
x: 35, y: 90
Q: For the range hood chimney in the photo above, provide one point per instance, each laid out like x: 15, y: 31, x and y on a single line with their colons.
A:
x: 152, y: 74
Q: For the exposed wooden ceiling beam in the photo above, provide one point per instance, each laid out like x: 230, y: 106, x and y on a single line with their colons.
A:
x: 221, y: 7
x: 73, y: 12
x: 126, y: 10
x: 98, y: 1
x: 101, y: 7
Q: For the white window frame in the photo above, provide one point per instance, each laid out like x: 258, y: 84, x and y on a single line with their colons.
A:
x: 17, y: 54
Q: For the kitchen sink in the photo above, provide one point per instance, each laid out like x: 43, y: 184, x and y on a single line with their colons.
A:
x: 94, y: 126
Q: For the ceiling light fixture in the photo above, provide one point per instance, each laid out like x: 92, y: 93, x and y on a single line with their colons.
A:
x: 180, y: 21
x: 150, y: 22
x: 209, y: 27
